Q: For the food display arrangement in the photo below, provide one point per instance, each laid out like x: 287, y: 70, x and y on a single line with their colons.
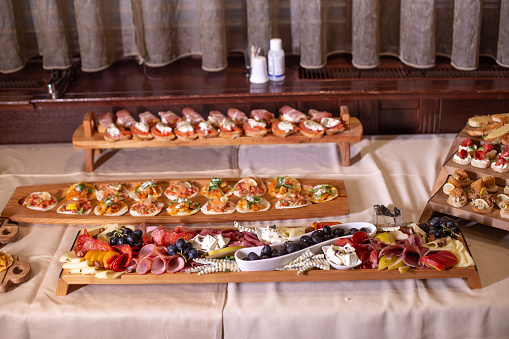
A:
x: 474, y: 183
x: 141, y: 254
x: 178, y: 201
x: 235, y: 128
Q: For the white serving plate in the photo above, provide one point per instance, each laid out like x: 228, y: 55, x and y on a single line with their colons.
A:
x: 272, y: 263
x: 338, y: 267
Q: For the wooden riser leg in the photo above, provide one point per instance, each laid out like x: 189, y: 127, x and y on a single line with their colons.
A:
x: 344, y: 147
x: 89, y: 160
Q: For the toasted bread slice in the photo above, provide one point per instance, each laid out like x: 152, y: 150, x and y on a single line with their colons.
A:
x: 497, y: 133
x: 502, y: 117
x: 480, y: 120
x: 485, y: 130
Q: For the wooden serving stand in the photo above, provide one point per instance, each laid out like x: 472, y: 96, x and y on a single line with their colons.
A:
x: 16, y: 212
x: 18, y: 273
x: 438, y: 200
x: 87, y: 137
x: 8, y: 231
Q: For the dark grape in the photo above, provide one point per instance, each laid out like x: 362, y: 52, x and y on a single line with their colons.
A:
x: 424, y: 227
x: 434, y: 221
x: 113, y: 241
x: 138, y: 233
x: 193, y: 253
x: 171, y: 250
x: 130, y: 239
x: 121, y: 241
x: 181, y: 244
x: 327, y: 230
x: 189, y: 245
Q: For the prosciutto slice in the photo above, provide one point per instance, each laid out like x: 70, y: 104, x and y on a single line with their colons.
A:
x: 192, y: 116
x: 317, y: 116
x: 148, y: 118
x: 237, y: 116
x: 170, y: 118
x: 391, y: 250
x: 291, y: 114
x: 262, y: 115
x: 411, y: 256
x: 105, y: 119
x: 216, y: 117
x: 125, y: 119
x: 175, y: 264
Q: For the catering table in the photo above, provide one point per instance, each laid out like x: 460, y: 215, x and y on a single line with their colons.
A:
x: 391, y: 170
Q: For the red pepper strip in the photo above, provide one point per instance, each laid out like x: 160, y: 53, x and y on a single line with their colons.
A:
x: 118, y: 263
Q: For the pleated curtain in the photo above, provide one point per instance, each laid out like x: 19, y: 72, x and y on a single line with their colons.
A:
x: 158, y: 32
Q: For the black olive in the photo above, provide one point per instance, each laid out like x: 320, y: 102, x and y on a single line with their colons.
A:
x: 364, y: 229
x: 338, y: 232
x: 319, y: 233
x: 303, y: 244
x: 327, y: 230
x: 316, y: 238
x: 266, y: 251
x: 292, y: 247
x: 253, y: 256
x: 326, y: 237
x: 352, y: 231
x: 306, y: 239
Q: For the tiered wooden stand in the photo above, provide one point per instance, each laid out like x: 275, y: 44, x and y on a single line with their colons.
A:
x: 438, y: 200
x: 86, y: 137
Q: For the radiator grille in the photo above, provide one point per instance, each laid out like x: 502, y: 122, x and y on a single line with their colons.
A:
x: 401, y: 72
x: 24, y: 82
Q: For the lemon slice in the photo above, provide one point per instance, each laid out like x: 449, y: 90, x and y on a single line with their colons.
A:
x: 46, y: 196
x: 502, y: 199
x: 251, y: 182
x: 223, y: 252
x: 116, y: 186
x: 71, y: 207
x: 480, y: 204
x: 448, y: 187
x: 224, y: 200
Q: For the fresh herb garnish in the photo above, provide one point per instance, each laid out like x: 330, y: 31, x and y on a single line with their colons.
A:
x: 281, y: 182
x: 252, y: 200
x: 214, y: 184
x: 148, y: 184
x: 80, y: 211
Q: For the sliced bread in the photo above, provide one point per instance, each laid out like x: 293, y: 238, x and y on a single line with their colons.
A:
x: 480, y: 120
x: 496, y: 134
x: 502, y: 117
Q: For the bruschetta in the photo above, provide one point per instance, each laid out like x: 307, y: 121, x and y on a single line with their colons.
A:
x: 118, y: 190
x: 205, y: 130
x: 283, y: 128
x: 185, y: 131
x: 162, y: 132
x: 228, y: 129
x: 218, y: 206
x: 40, y: 201
x: 216, y: 188
x: 111, y: 207
x: 322, y: 193
x: 311, y: 129
x: 81, y: 190
x: 114, y: 133
x: 76, y: 207
x: 145, y: 189
x: 252, y: 204
x: 181, y: 189
x: 141, y: 131
x: 181, y: 207
x: 249, y: 186
x: 292, y: 201
x: 281, y: 186
x: 254, y: 128
x: 148, y: 207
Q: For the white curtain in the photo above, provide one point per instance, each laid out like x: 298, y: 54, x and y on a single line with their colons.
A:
x: 158, y: 32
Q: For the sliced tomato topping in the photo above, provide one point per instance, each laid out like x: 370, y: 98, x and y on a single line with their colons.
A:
x: 487, y: 147
x: 343, y: 241
x: 505, y: 152
x: 137, y: 131
x: 467, y: 142
x: 158, y: 133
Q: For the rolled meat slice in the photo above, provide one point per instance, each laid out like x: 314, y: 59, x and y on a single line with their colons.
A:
x: 149, y: 118
x: 192, y: 116
x: 411, y: 256
x: 292, y: 115
x: 175, y: 264
x: 317, y: 116
x: 124, y: 119
x: 216, y: 118
x: 262, y: 115
x: 105, y: 119
x: 237, y: 116
x: 159, y: 265
x: 144, y: 265
x: 170, y: 118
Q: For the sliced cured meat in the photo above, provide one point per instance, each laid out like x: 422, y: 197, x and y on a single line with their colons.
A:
x: 85, y: 242
x: 317, y: 116
x: 411, y: 256
x: 192, y: 116
x: 391, y: 250
x: 105, y: 119
x: 144, y: 265
x: 237, y: 116
x: 149, y: 118
x: 125, y: 119
x: 262, y: 115
x: 216, y: 118
x: 289, y: 114
x: 170, y: 118
x: 175, y: 264
x: 164, y: 237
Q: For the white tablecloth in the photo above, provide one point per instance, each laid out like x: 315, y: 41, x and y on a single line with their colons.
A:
x: 391, y: 170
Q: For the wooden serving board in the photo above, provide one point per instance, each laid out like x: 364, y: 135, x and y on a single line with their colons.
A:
x: 18, y: 273
x: 67, y: 280
x: 16, y: 212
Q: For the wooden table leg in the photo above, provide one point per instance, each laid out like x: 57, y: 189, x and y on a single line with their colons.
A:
x: 89, y: 160
x: 344, y: 147
x: 62, y: 287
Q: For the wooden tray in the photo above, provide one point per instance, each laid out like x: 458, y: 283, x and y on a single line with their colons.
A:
x: 16, y: 212
x: 68, y: 282
x: 86, y: 137
x: 18, y: 273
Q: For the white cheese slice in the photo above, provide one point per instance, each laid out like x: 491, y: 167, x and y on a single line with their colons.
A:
x: 108, y: 275
x: 76, y: 265
x: 70, y: 257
